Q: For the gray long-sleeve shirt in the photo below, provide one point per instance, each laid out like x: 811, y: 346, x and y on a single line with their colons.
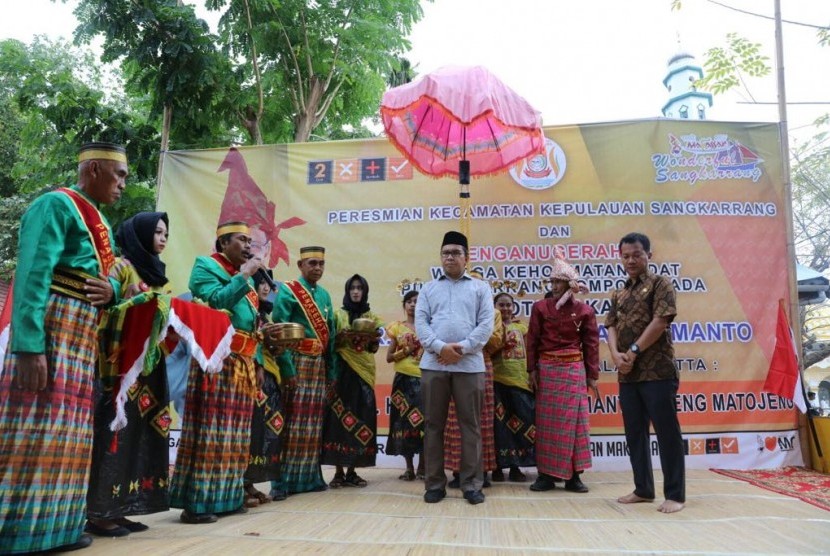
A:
x: 454, y: 311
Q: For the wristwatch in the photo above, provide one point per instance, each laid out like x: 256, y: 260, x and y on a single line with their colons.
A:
x: 635, y: 349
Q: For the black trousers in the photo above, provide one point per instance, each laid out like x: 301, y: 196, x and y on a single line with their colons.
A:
x: 654, y: 402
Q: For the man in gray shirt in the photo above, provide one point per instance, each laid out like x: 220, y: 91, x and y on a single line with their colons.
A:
x: 453, y: 320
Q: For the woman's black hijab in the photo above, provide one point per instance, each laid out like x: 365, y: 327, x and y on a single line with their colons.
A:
x: 356, y: 309
x: 135, y: 239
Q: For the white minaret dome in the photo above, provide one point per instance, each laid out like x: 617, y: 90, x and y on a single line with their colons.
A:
x: 685, y: 101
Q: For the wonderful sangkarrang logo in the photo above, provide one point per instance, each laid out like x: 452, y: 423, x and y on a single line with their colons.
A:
x: 543, y: 170
x: 691, y: 159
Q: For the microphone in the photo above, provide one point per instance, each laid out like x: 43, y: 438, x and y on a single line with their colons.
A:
x: 262, y: 275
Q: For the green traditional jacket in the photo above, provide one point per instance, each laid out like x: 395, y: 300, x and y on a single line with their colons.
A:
x: 288, y: 309
x: 214, y: 285
x: 52, y: 234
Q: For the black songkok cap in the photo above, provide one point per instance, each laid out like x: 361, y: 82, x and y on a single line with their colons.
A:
x: 455, y: 238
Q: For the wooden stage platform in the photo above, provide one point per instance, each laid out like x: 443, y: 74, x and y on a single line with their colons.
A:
x: 722, y: 516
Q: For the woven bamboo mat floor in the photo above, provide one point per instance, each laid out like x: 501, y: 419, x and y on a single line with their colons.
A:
x: 722, y: 516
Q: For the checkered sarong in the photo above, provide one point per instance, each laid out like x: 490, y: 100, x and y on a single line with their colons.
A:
x: 46, y: 437
x: 305, y: 408
x: 216, y: 438
x: 562, y: 428
x: 452, y: 432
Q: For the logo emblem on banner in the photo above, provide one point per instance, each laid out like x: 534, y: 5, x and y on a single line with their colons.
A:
x: 541, y: 171
x: 692, y: 159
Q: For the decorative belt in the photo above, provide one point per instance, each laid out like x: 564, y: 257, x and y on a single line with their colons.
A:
x: 70, y: 282
x: 560, y: 356
x: 310, y: 346
x: 244, y: 343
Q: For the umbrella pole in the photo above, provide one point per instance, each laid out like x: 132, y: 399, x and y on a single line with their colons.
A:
x: 464, y: 196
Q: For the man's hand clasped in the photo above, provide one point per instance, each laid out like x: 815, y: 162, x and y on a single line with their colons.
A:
x: 99, y: 290
x: 624, y: 362
x: 450, y: 354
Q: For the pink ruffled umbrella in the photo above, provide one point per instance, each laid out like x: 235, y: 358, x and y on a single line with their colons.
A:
x: 461, y: 121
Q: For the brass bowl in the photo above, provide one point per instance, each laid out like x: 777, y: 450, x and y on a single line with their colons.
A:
x: 282, y: 333
x: 363, y: 325
x: 290, y: 331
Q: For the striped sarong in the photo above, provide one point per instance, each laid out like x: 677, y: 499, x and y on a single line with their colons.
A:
x: 216, y: 437
x: 562, y: 429
x: 406, y: 418
x: 46, y: 437
x: 304, y: 408
x: 452, y: 432
x: 514, y: 426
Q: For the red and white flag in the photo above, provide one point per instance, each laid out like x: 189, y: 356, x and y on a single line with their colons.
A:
x: 784, y: 377
x: 5, y: 324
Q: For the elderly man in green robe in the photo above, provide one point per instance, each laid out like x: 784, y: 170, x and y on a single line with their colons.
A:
x: 306, y: 371
x: 46, y: 382
x: 216, y: 425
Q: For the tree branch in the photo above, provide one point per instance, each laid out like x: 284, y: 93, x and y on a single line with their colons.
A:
x: 324, y: 107
x: 336, y: 52
x: 299, y: 75
x: 261, y: 108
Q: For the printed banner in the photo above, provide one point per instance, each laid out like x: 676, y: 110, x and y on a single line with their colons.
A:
x: 710, y: 195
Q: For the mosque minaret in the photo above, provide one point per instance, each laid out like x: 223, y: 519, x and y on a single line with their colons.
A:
x: 685, y: 101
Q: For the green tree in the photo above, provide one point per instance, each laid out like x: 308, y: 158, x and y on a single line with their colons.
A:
x: 11, y: 210
x: 169, y: 55
x: 724, y: 67
x: 57, y: 93
x: 51, y: 102
x: 11, y: 127
x: 328, y: 61
x: 810, y: 176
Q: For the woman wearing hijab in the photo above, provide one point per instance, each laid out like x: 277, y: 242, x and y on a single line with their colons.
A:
x: 350, y: 426
x: 130, y: 468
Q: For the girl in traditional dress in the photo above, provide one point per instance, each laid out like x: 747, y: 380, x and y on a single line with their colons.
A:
x: 515, y: 406
x: 268, y: 417
x: 406, y: 419
x: 563, y: 362
x: 130, y: 467
x: 350, y: 427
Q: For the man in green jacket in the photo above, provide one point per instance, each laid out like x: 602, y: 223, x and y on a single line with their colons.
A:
x: 46, y: 382
x: 216, y: 425
x: 306, y: 371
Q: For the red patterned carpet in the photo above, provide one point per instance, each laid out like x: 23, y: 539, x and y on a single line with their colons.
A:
x: 808, y: 485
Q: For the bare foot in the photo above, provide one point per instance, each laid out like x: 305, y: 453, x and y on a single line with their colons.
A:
x: 670, y: 506
x: 633, y: 499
